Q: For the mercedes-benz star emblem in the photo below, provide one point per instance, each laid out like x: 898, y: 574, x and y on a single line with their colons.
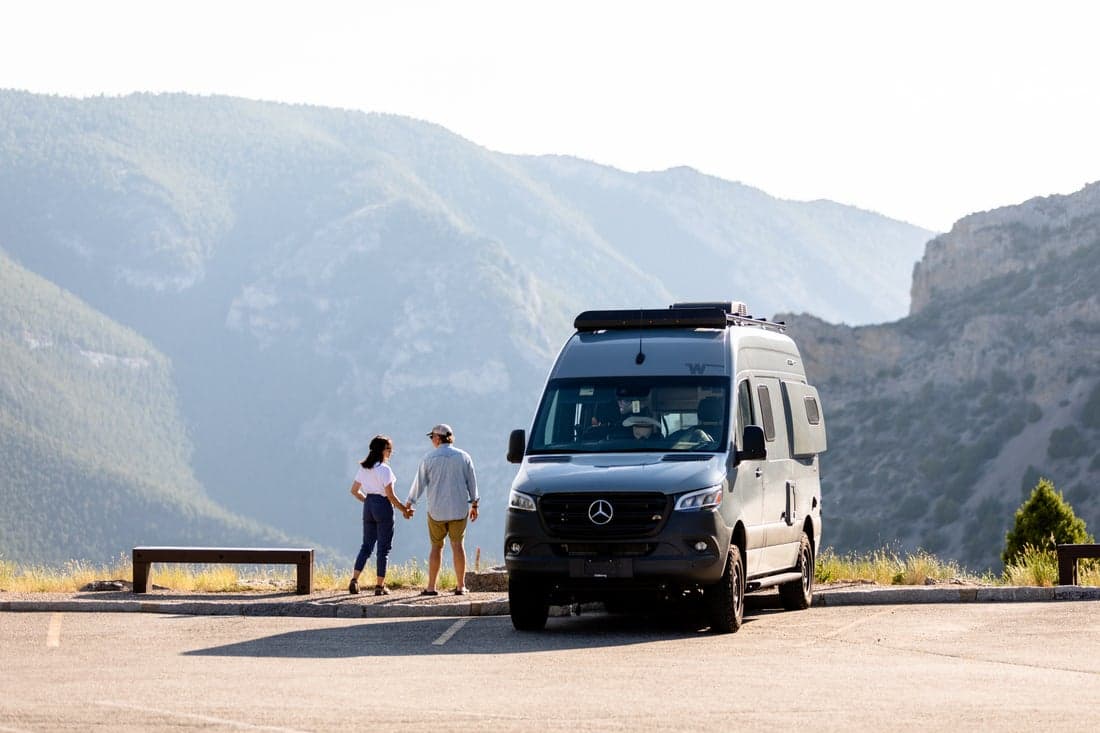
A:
x: 599, y: 511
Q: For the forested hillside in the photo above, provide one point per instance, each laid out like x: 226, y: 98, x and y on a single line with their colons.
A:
x: 95, y: 457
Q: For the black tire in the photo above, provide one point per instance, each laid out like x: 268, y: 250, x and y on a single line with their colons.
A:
x: 799, y: 594
x: 527, y: 604
x: 726, y: 599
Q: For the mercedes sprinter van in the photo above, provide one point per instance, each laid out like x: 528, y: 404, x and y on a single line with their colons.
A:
x: 674, y: 453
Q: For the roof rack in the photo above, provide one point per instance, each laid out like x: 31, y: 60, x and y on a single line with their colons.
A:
x: 678, y: 315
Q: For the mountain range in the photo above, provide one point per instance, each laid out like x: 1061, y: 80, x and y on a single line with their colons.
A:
x: 297, y: 279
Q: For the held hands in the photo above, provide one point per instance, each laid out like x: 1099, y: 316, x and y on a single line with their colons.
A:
x: 407, y: 511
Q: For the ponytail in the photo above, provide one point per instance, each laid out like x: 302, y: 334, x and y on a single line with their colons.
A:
x: 377, y: 447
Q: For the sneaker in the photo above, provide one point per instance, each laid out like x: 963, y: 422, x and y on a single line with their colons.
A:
x: 353, y: 586
x: 429, y: 593
x: 462, y: 591
x: 381, y: 590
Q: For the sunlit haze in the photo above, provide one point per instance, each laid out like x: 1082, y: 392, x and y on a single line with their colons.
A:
x: 924, y: 112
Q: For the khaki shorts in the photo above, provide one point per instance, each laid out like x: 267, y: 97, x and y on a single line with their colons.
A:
x: 455, y: 529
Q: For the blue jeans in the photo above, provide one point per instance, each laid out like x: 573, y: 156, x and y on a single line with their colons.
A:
x: 377, y: 527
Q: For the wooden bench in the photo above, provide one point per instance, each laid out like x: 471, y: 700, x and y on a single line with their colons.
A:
x: 143, y: 557
x: 1068, y: 555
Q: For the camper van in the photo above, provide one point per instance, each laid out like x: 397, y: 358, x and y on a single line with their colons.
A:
x: 673, y: 455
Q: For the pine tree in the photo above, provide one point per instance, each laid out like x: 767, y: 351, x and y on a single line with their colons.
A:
x: 1042, y: 521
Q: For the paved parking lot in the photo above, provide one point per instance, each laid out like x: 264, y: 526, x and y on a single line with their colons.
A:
x: 1020, y: 666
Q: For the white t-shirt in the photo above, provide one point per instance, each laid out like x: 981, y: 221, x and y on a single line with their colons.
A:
x: 374, y: 480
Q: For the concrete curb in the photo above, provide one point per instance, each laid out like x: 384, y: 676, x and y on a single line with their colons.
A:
x: 896, y: 595
x: 862, y: 596
x: 262, y: 608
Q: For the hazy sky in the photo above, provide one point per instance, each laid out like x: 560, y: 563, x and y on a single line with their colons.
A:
x: 923, y: 111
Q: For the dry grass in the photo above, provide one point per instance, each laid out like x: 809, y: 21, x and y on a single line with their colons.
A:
x: 883, y: 567
x: 69, y: 577
x: 1040, y: 567
x: 75, y: 574
x: 887, y: 567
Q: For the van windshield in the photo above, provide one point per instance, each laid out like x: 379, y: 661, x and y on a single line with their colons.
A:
x: 616, y: 415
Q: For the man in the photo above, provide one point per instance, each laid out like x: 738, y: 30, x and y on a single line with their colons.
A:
x: 644, y: 427
x: 446, y: 478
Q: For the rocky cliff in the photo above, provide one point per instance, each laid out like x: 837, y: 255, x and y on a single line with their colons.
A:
x: 941, y: 422
x: 1006, y: 240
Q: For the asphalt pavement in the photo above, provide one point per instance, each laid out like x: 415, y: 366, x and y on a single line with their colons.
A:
x: 946, y: 666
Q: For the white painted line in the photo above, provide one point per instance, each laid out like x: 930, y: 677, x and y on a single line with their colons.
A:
x: 194, y: 716
x: 53, y: 635
x: 446, y: 635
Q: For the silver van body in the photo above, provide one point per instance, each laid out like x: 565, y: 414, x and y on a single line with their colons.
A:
x: 673, y: 452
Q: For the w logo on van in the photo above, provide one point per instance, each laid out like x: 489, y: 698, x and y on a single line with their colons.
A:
x: 699, y: 368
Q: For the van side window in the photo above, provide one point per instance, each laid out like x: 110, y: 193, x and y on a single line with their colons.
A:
x: 813, y: 415
x: 766, y: 412
x: 744, y: 408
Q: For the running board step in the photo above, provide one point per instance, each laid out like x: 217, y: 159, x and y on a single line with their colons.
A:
x: 771, y: 580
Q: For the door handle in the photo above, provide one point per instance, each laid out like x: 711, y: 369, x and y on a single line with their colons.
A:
x: 788, y: 515
x: 759, y: 472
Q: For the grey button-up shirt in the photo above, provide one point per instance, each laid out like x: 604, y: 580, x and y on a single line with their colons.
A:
x: 446, y: 478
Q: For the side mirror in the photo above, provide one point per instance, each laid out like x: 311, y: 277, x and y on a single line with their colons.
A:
x: 517, y: 443
x: 753, y: 448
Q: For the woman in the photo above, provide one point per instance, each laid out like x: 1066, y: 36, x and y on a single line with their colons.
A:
x: 374, y: 487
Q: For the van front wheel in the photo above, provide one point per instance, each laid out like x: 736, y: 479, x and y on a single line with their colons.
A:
x: 726, y: 599
x: 798, y: 594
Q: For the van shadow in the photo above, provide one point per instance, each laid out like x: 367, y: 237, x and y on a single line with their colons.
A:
x: 484, y: 635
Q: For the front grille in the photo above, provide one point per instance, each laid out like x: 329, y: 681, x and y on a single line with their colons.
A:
x: 632, y: 514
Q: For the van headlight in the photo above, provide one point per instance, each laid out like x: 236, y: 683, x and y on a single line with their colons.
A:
x: 708, y: 498
x: 521, y: 501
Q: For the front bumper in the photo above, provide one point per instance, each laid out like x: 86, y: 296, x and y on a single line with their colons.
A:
x: 668, y: 558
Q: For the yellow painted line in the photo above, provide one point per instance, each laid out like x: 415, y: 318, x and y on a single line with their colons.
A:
x: 53, y: 635
x: 195, y: 716
x: 446, y: 635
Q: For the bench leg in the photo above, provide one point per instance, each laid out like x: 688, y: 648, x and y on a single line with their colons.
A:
x: 305, y: 577
x: 1067, y: 569
x: 141, y: 576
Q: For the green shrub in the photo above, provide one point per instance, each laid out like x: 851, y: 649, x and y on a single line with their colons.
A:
x: 1067, y: 442
x: 1042, y: 521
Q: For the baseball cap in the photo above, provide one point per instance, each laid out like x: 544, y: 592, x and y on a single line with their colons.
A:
x: 442, y: 430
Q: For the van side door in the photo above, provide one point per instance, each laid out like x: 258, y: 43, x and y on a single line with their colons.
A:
x: 748, y: 482
x: 778, y: 473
